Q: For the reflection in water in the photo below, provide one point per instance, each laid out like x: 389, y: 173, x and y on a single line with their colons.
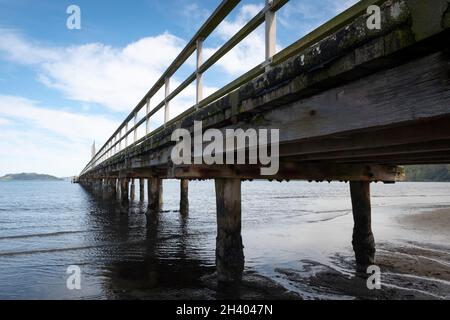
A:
x: 144, y: 269
x: 297, y: 235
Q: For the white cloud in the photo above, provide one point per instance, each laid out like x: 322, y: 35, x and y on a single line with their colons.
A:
x: 96, y: 73
x: 41, y: 139
x: 4, y: 122
x: 118, y: 77
x: 70, y: 126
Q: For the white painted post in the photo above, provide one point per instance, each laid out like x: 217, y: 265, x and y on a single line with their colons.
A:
x: 120, y: 139
x: 166, y: 103
x: 147, y: 111
x: 126, y: 135
x: 135, y: 129
x: 199, y: 90
x: 93, y: 150
x: 271, y: 32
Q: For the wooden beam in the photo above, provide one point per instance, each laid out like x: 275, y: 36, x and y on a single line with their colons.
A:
x: 293, y: 171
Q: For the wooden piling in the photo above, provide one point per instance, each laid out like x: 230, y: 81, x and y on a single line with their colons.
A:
x: 113, y: 187
x: 132, y: 190
x: 184, y: 196
x: 229, y: 248
x: 106, y: 189
x: 363, y: 241
x: 124, y: 189
x: 141, y: 190
x: 155, y: 190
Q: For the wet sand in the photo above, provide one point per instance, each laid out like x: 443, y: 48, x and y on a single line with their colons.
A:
x: 409, y: 270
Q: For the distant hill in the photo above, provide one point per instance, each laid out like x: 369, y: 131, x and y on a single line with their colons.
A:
x: 428, y: 173
x: 29, y: 177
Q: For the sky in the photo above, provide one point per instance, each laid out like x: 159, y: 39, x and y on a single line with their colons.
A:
x: 63, y: 89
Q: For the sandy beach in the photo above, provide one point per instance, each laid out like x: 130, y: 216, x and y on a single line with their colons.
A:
x: 410, y: 270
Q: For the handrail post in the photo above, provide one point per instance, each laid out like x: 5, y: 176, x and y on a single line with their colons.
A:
x: 120, y: 139
x: 199, y: 89
x: 126, y: 135
x: 135, y: 129
x: 166, y: 102
x: 147, y: 123
x: 271, y: 32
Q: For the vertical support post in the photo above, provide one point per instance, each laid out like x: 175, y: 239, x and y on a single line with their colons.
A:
x: 104, y: 186
x: 271, y: 31
x: 166, y: 102
x: 133, y: 190
x: 363, y: 241
x: 120, y: 139
x: 147, y: 123
x: 109, y: 191
x: 199, y: 91
x: 126, y: 135
x: 229, y: 248
x: 184, y: 196
x: 155, y: 190
x: 124, y: 190
x: 135, y: 129
x: 112, y: 185
x: 141, y: 190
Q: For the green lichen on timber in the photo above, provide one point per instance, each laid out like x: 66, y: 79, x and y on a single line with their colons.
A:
x: 329, y: 49
x: 428, y: 19
x: 259, y: 120
x: 446, y: 18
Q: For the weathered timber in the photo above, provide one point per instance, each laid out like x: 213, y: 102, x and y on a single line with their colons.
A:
x: 113, y: 186
x: 108, y: 189
x: 155, y: 193
x: 124, y: 184
x: 133, y: 190
x: 184, y: 196
x: 229, y: 248
x: 363, y: 241
x: 293, y: 170
x: 141, y: 190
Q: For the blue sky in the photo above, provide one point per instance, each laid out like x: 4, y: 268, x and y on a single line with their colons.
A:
x: 61, y: 89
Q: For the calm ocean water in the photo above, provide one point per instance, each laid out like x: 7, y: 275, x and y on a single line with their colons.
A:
x: 47, y: 226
